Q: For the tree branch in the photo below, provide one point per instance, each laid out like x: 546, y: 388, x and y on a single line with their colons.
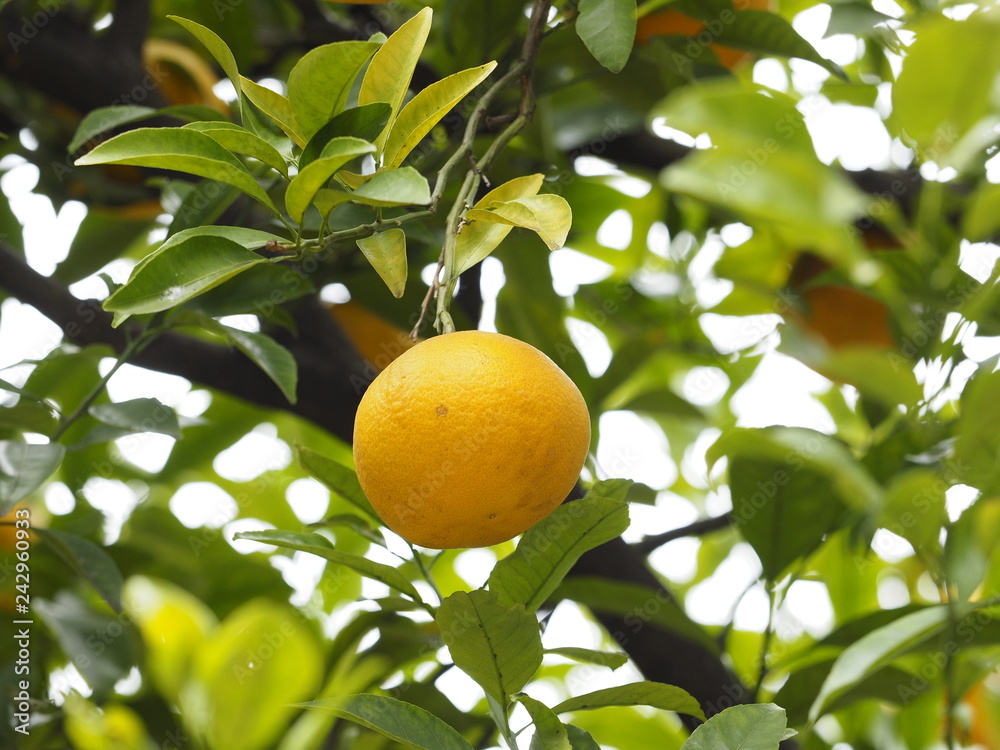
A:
x: 128, y: 29
x: 704, y: 526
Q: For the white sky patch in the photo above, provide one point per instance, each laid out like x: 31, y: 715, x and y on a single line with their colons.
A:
x: 892, y: 592
x: 335, y: 294
x: 869, y: 146
x: 616, y: 230
x: 115, y: 499
x: 771, y: 73
x: 308, y: 499
x: 677, y: 560
x: 757, y: 404
x: 25, y: 334
x: 809, y: 603
x: 752, y: 611
x: 147, y: 450
x: 59, y: 499
x: 694, y: 465
x: 711, y: 601
x: 491, y: 281
x: 475, y: 565
x: 891, y: 547
x: 631, y: 448
x: 705, y: 386
x: 730, y: 334
x: 302, y: 571
x: 198, y: 504
x: 670, y: 512
x: 258, y: 451
x: 593, y: 166
x: 571, y: 269
x: 247, y: 322
x: 131, y: 382
x: 958, y: 498
x: 592, y: 345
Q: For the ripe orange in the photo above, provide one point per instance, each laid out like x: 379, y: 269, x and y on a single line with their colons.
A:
x: 376, y: 339
x: 468, y: 439
x: 670, y: 22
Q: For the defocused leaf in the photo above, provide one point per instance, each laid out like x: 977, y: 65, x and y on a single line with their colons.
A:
x: 935, y: 104
x: 580, y: 739
x: 88, y: 560
x: 972, y: 542
x: 914, y: 509
x: 319, y: 545
x: 496, y: 645
x: 426, y: 109
x: 548, y: 215
x: 173, y: 623
x: 394, y: 187
x: 138, y: 415
x: 76, y: 626
x: 783, y: 509
x: 270, y: 356
x: 241, y: 141
x: 338, y: 478
x: 548, y: 550
x: 181, y: 150
x: 612, y: 659
x: 759, y: 726
x: 104, y: 235
x: 402, y: 722
x: 655, y: 694
x: 982, y: 214
x: 386, y: 251
x: 182, y: 271
x: 770, y: 34
x: 336, y: 154
x: 607, y: 27
x: 103, y: 119
x: 478, y: 239
x: 391, y: 70
x: 978, y: 443
x: 319, y: 83
x: 877, y: 649
x: 262, y: 659
x: 24, y: 468
x: 550, y: 734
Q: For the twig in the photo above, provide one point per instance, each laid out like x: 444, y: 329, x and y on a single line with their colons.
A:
x: 704, y: 526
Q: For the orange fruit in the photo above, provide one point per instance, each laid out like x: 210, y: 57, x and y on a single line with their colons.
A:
x: 845, y: 317
x: 182, y: 75
x: 468, y: 439
x: 670, y: 22
x: 375, y: 338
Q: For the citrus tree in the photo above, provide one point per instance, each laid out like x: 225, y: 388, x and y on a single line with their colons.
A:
x: 371, y: 525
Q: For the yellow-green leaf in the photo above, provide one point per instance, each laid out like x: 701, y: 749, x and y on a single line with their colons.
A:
x: 426, y: 109
x: 216, y: 46
x: 548, y: 215
x: 181, y: 150
x: 394, y: 187
x: 386, y: 251
x: 319, y: 83
x: 480, y: 238
x: 241, y: 141
x: 276, y: 107
x: 303, y: 187
x: 388, y: 77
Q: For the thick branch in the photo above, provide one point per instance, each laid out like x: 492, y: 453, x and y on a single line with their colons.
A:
x: 704, y: 526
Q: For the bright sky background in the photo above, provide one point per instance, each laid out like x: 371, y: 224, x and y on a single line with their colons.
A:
x: 779, y: 393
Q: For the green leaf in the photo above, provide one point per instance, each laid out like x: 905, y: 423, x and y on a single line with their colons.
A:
x: 550, y: 734
x: 394, y: 187
x: 391, y: 70
x: 182, y: 271
x: 319, y: 83
x: 104, y: 235
x: 612, y: 659
x: 25, y: 467
x: 982, y: 213
x: 801, y: 447
x: 426, y: 109
x: 319, y: 545
x: 580, y: 739
x: 181, y: 150
x: 769, y: 34
x: 784, y: 510
x: 386, y: 251
x: 934, y: 105
x: 89, y: 561
x: 978, y: 445
x: 914, y: 508
x: 270, y: 356
x: 103, y: 119
x: 138, y: 415
x: 275, y: 107
x: 75, y: 624
x: 251, y: 239
x: 549, y: 549
x: 607, y: 27
x: 366, y: 123
x: 405, y: 723
x: 498, y: 646
x: 759, y: 726
x: 338, y: 478
x: 216, y: 46
x: 478, y: 239
x: 550, y: 216
x: 241, y: 141
x: 249, y: 673
x: 335, y: 156
x: 875, y: 650
x: 655, y: 694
